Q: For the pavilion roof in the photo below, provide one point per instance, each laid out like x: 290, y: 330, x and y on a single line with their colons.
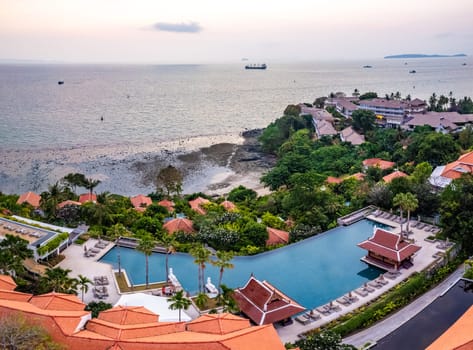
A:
x: 179, y: 224
x: 197, y: 203
x: 31, y: 198
x: 68, y: 202
x: 58, y: 301
x: 169, y: 205
x: 228, y: 205
x: 390, y: 245
x: 378, y: 162
x: 7, y: 282
x: 390, y: 177
x: 87, y: 197
x: 140, y: 202
x: 276, y: 236
x: 264, y: 304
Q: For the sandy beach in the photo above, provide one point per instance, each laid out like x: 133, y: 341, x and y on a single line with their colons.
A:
x: 210, y: 164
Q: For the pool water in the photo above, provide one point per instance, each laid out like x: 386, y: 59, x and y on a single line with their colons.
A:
x: 312, y: 272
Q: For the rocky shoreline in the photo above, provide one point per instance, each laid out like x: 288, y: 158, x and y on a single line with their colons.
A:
x: 213, y: 165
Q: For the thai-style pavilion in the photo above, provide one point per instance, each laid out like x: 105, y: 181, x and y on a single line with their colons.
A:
x: 264, y: 304
x: 387, y: 250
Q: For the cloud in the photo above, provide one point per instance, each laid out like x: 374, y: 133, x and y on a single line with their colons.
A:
x: 190, y: 27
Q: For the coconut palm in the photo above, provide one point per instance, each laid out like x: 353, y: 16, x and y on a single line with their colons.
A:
x: 201, y: 257
x: 146, y: 245
x: 223, y: 262
x: 117, y: 231
x: 13, y: 251
x: 83, y: 284
x: 168, y: 242
x: 51, y: 198
x: 58, y: 280
x: 90, y: 184
x: 406, y: 201
x: 201, y: 300
x: 178, y: 302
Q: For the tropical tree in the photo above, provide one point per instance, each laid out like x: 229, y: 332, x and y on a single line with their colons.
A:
x: 227, y: 301
x: 169, y: 179
x: 169, y: 243
x: 57, y: 279
x: 201, y: 257
x: 117, y: 231
x: 326, y: 340
x: 223, y: 262
x: 406, y: 201
x: 363, y: 120
x: 201, y: 300
x: 96, y: 307
x: 146, y: 245
x: 74, y: 180
x: 90, y: 184
x: 83, y: 284
x: 13, y: 250
x: 51, y: 198
x: 178, y: 302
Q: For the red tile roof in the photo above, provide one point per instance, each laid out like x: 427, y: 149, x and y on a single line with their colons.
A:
x: 333, y: 180
x: 456, y: 169
x: 126, y: 315
x: 389, y: 245
x: 58, y: 301
x: 31, y: 198
x: 394, y: 175
x: 228, y: 205
x: 169, y: 205
x: 179, y: 224
x: 264, y: 304
x: 218, y: 324
x: 378, y: 162
x: 87, y: 197
x: 68, y: 202
x: 12, y: 295
x: 197, y: 203
x: 7, y: 282
x: 140, y: 202
x: 276, y: 236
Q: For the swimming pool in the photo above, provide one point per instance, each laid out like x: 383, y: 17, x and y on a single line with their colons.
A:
x: 312, y: 272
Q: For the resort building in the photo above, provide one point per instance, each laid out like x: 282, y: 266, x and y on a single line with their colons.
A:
x: 30, y: 198
x: 392, y: 111
x: 388, y: 250
x: 179, y: 224
x: 324, y: 128
x: 229, y: 206
x: 88, y: 197
x: 344, y: 105
x: 276, y: 236
x: 264, y: 304
x: 197, y: 204
x: 416, y: 106
x: 445, y: 122
x: 131, y: 327
x: 458, y: 337
x: 394, y: 175
x: 351, y: 136
x: 169, y: 205
x: 68, y: 203
x: 377, y: 162
x: 443, y: 175
x: 140, y: 202
x: 316, y: 113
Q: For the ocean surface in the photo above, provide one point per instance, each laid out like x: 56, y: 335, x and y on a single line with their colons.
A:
x: 154, y: 103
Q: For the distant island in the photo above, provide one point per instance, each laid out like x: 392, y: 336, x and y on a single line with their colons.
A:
x: 418, y: 55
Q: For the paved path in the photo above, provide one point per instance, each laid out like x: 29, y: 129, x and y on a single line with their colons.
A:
x: 388, y: 325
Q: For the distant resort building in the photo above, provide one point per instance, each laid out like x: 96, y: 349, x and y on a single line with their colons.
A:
x: 394, y: 175
x: 445, y: 122
x: 88, y: 197
x: 30, y: 198
x: 169, y: 205
x: 140, y: 202
x: 264, y: 304
x: 392, y: 111
x: 387, y: 250
x: 197, y: 204
x: 276, y: 236
x: 324, y: 128
x: 343, y: 105
x: 179, y: 224
x: 443, y: 175
x: 351, y: 136
x: 316, y: 113
x: 131, y: 327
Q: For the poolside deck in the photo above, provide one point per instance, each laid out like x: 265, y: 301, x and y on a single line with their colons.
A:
x: 422, y: 260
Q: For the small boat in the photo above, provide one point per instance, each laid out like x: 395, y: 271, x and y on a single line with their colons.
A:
x: 412, y: 71
x: 463, y: 64
x: 60, y: 82
x: 367, y: 66
x: 256, y: 66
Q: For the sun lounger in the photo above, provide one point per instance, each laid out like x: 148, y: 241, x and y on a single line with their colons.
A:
x: 343, y: 300
x: 351, y: 298
x: 361, y: 292
x: 367, y: 288
x: 383, y: 281
x: 374, y: 284
x: 323, y: 310
x: 303, y: 319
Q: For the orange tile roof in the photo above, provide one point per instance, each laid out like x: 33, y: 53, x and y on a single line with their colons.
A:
x: 16, y: 296
x: 179, y: 224
x: 333, y: 180
x: 31, y: 198
x: 140, y: 202
x: 394, y: 175
x: 264, y: 304
x: 358, y: 176
x: 197, y: 203
x: 456, y: 169
x: 86, y: 197
x: 68, y: 202
x: 7, y: 282
x: 126, y: 315
x: 218, y: 324
x: 276, y: 236
x: 228, y: 205
x: 378, y: 162
x: 58, y: 301
x: 261, y: 338
x: 169, y: 205
x: 389, y: 245
x: 459, y: 336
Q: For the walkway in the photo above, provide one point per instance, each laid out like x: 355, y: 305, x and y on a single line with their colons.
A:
x: 422, y: 260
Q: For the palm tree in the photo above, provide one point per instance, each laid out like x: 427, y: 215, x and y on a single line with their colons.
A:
x: 201, y: 300
x: 58, y: 280
x: 168, y: 242
x: 90, y: 184
x: 146, y: 245
x: 51, y: 198
x: 227, y: 301
x: 408, y: 202
x: 398, y: 201
x: 117, y: 231
x: 83, y: 284
x: 178, y: 302
x: 223, y: 262
x: 13, y: 251
x: 201, y: 256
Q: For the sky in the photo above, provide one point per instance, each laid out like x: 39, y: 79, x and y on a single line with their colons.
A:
x: 225, y: 31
